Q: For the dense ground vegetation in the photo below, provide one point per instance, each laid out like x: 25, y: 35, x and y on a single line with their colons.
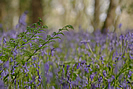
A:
x: 32, y: 59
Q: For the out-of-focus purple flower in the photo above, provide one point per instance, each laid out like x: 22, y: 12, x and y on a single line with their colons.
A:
x: 22, y: 24
x: 104, y: 73
x: 53, y: 87
x: 23, y: 18
x: 78, y: 79
x: 46, y: 67
x: 26, y: 70
x: 124, y: 85
x: 1, y: 26
x: 130, y: 73
x: 100, y: 79
x: 111, y: 79
x: 92, y: 76
x: 6, y: 65
x: 86, y: 69
x: 93, y: 86
x: 58, y: 49
x: 88, y: 65
x: 83, y: 62
x: 4, y: 73
x: 97, y: 66
x: 15, y: 52
x: 78, y: 65
x: 110, y: 87
x: 39, y: 78
x: 120, y: 25
x: 90, y: 69
x: 49, y: 77
x: 4, y: 41
x: 121, y: 37
x: 1, y: 54
x: 2, y: 85
x: 102, y: 58
x: 40, y: 45
x: 52, y: 51
x: 131, y: 57
x: 116, y: 70
x: 85, y: 41
x: 34, y: 59
x: 1, y: 62
x: 67, y: 67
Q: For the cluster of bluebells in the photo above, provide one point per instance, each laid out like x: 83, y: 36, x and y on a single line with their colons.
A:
x: 20, y: 51
x: 94, y: 60
x: 79, y: 60
x: 109, y: 61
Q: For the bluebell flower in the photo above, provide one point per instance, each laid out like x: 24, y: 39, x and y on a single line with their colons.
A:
x: 104, y: 73
x: 120, y: 25
x: 2, y: 85
x: 92, y: 76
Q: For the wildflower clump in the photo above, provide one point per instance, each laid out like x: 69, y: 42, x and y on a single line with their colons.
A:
x: 33, y: 59
x: 19, y: 65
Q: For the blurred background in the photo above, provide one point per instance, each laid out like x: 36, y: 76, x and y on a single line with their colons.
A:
x: 89, y: 15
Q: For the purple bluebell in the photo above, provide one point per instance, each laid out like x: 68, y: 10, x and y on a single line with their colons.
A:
x: 92, y: 76
x: 104, y: 73
x: 2, y: 85
x: 120, y: 25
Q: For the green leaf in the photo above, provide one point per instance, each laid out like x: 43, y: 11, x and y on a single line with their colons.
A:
x: 38, y: 36
x: 60, y: 33
x: 56, y: 37
x: 48, y: 37
x: 43, y: 30
x: 40, y: 20
x: 28, y: 27
x: 44, y: 26
x: 54, y: 33
x: 64, y: 28
x: 44, y: 46
x: 35, y: 25
x: 69, y: 26
x: 26, y: 53
x: 51, y: 41
x: 60, y: 29
x: 41, y: 40
x: 39, y: 23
